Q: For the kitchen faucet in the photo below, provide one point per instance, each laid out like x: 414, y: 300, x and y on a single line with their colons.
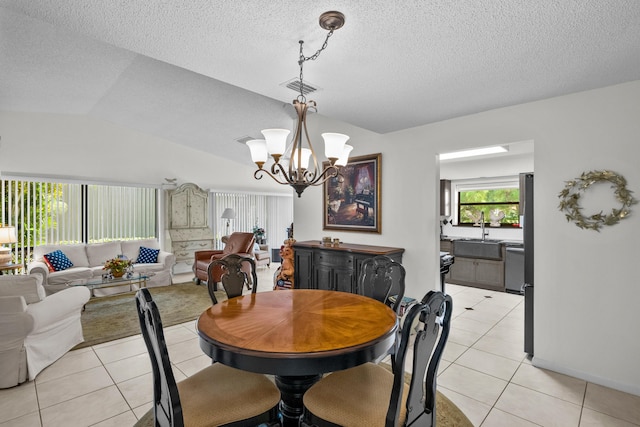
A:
x: 484, y: 234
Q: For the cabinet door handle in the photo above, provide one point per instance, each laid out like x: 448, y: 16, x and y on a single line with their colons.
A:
x: 203, y: 244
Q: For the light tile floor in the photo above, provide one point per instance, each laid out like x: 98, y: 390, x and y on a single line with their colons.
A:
x: 484, y: 371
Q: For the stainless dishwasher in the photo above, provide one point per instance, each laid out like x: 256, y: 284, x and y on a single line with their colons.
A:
x: 514, y: 269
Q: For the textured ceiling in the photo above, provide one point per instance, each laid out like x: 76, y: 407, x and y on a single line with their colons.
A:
x: 205, y: 73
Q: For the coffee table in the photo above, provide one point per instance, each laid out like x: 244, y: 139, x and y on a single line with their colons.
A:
x: 103, y: 282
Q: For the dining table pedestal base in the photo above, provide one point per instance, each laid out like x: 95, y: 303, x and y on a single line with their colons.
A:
x: 292, y: 388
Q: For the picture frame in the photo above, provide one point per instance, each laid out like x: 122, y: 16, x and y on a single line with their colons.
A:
x: 352, y: 201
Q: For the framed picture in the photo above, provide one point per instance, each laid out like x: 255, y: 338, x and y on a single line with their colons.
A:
x: 352, y: 200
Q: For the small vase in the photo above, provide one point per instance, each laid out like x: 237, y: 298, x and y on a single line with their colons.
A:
x: 117, y: 273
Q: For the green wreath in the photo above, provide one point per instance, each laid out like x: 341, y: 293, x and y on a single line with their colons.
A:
x: 570, y: 200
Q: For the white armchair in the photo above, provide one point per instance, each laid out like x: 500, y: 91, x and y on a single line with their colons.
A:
x: 35, y: 330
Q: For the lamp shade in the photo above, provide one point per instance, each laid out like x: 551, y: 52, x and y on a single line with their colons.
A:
x: 344, y: 157
x: 228, y: 213
x: 334, y: 144
x: 276, y: 140
x: 8, y: 235
x: 305, y: 153
x: 258, y: 148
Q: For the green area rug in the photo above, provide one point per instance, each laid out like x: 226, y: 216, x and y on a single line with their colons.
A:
x: 113, y: 317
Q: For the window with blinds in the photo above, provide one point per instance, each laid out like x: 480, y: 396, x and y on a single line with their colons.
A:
x: 66, y: 213
x: 272, y: 213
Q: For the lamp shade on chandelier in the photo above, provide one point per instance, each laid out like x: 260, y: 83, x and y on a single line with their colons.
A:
x: 298, y: 165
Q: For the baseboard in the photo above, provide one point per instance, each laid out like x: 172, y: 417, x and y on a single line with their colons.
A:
x: 606, y: 382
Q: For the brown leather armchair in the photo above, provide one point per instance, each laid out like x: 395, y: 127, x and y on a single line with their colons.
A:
x: 237, y: 243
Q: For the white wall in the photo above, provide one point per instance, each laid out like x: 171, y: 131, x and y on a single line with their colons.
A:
x: 82, y: 147
x: 587, y: 291
x: 586, y: 284
x: 407, y: 205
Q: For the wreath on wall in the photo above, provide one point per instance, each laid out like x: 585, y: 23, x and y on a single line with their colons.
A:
x: 570, y: 200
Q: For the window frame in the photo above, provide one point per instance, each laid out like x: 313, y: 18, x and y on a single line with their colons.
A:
x: 48, y: 230
x: 483, y: 184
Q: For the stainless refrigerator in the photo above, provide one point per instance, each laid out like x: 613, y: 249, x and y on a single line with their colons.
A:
x: 527, y: 221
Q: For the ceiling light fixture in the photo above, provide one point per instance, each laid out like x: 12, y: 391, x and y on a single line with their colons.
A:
x: 296, y: 170
x: 473, y: 152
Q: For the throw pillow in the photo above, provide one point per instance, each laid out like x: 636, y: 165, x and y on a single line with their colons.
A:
x: 147, y: 255
x: 49, y: 266
x: 57, y: 261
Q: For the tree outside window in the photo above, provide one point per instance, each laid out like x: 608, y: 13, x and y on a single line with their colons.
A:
x: 496, y: 201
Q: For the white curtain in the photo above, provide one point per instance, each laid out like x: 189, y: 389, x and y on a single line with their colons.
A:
x: 272, y: 213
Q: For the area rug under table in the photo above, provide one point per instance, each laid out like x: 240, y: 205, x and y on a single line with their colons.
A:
x: 113, y: 317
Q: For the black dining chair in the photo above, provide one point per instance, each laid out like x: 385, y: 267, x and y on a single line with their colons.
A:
x: 382, y: 278
x: 371, y: 395
x: 215, y: 396
x: 237, y: 272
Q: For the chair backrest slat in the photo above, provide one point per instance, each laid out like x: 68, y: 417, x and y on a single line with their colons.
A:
x: 382, y: 278
x: 166, y: 400
x: 432, y: 331
x: 234, y: 275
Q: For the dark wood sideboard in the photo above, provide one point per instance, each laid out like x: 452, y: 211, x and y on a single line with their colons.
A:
x: 334, y: 268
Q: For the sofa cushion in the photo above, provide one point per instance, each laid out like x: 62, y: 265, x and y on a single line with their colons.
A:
x: 57, y: 261
x: 147, y: 255
x: 70, y: 275
x: 131, y: 248
x: 76, y: 253
x: 99, y: 253
x: 145, y: 269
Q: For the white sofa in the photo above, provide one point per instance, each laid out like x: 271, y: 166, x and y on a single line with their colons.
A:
x: 88, y: 262
x: 35, y: 330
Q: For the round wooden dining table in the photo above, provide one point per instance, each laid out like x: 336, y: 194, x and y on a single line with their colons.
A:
x: 297, y: 335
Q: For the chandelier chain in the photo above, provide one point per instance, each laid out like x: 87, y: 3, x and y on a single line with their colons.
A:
x: 301, y: 168
x: 302, y: 59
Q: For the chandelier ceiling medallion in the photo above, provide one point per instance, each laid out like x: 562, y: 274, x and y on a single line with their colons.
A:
x: 297, y: 170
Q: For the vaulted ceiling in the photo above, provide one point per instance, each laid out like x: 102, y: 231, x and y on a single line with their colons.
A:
x: 204, y: 73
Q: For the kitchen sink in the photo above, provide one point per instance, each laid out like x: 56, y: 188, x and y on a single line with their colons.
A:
x: 477, y: 248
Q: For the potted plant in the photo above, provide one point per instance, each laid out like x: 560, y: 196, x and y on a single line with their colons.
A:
x: 259, y: 234
x: 117, y: 266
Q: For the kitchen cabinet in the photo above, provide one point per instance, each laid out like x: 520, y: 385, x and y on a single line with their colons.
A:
x: 445, y: 197
x: 481, y: 273
x: 334, y: 268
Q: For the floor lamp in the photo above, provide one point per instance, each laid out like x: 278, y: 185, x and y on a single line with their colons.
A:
x: 7, y: 235
x: 228, y: 214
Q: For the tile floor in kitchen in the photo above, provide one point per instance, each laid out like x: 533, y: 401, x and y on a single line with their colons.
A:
x: 484, y: 371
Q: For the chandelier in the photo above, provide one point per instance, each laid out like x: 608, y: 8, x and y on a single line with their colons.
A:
x: 301, y: 169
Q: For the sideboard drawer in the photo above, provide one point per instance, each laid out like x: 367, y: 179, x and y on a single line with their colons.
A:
x: 334, y: 260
